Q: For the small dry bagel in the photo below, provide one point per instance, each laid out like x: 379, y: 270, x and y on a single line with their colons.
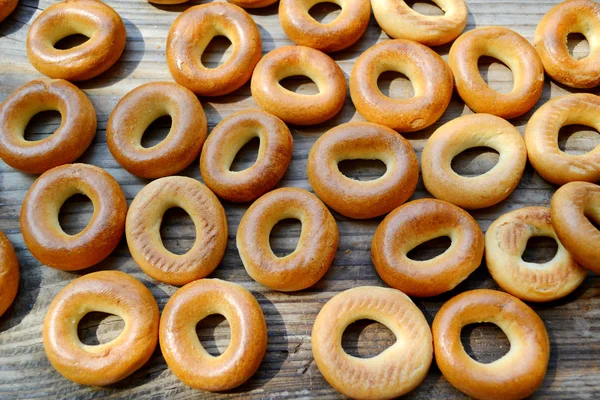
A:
x: 9, y: 273
x: 427, y: 71
x: 573, y: 206
x: 226, y: 140
x: 415, y: 223
x: 91, y: 18
x: 514, y: 376
x: 505, y: 243
x: 137, y: 110
x: 111, y: 292
x: 191, y: 33
x: 514, y: 51
x: 313, y: 254
x: 184, y: 353
x: 400, y: 21
x: 550, y: 41
x: 7, y: 7
x: 363, y: 140
x: 337, y: 35
x: 295, y: 108
x: 460, y: 134
x: 392, y: 373
x: 42, y: 232
x: 142, y: 230
x: 541, y: 139
x: 65, y: 145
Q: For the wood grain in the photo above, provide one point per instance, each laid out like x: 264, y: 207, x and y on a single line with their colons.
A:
x: 288, y: 370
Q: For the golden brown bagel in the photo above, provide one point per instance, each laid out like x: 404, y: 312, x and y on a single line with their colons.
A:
x: 514, y: 51
x: 295, y: 108
x: 226, y: 140
x: 394, y: 372
x: 541, y: 138
x: 111, y: 292
x: 550, y: 41
x: 184, y: 353
x: 137, y: 110
x: 573, y: 206
x: 7, y: 7
x: 65, y: 145
x: 313, y: 254
x: 337, y: 35
x: 193, y: 30
x: 142, y: 230
x: 42, y: 232
x: 9, y: 273
x: 427, y: 71
x: 505, y: 242
x: 415, y: 223
x: 363, y: 140
x: 400, y: 21
x: 460, y: 134
x: 514, y: 376
x: 91, y: 18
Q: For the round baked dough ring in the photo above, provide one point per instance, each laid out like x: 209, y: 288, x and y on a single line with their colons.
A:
x: 7, y: 7
x: 9, y: 273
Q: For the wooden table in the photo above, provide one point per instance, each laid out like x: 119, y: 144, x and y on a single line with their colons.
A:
x: 288, y: 370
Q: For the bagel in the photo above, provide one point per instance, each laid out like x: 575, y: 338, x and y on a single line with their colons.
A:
x: 252, y: 3
x: 9, y: 273
x: 7, y: 7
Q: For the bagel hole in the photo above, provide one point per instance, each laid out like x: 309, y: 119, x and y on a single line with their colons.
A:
x: 71, y: 41
x: 484, y: 342
x: 430, y: 249
x: 214, y: 334
x: 578, y: 45
x: 577, y: 139
x: 246, y: 156
x: 425, y: 7
x: 475, y: 161
x: 496, y: 74
x: 300, y: 84
x: 217, y: 52
x: 42, y: 125
x: 177, y: 231
x: 362, y: 170
x: 366, y: 338
x: 156, y: 132
x: 595, y: 222
x: 99, y: 328
x: 396, y: 85
x: 75, y: 214
x: 325, y: 12
x: 540, y: 250
x: 284, y: 236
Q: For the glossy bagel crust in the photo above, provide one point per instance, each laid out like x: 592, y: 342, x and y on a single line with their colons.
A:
x: 519, y: 372
x: 137, y: 110
x: 7, y: 7
x: 427, y: 71
x: 550, y: 41
x: 42, y: 232
x: 573, y: 206
x: 111, y: 292
x: 415, y: 223
x: 142, y: 230
x: 400, y: 21
x: 363, y: 140
x: 226, y: 140
x: 184, y: 353
x: 295, y: 108
x: 460, y: 134
x: 313, y: 254
x: 91, y: 18
x: 65, y: 145
x: 337, y: 35
x: 9, y: 273
x: 505, y: 243
x: 392, y: 373
x: 191, y: 33
x: 541, y: 138
x: 514, y: 51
